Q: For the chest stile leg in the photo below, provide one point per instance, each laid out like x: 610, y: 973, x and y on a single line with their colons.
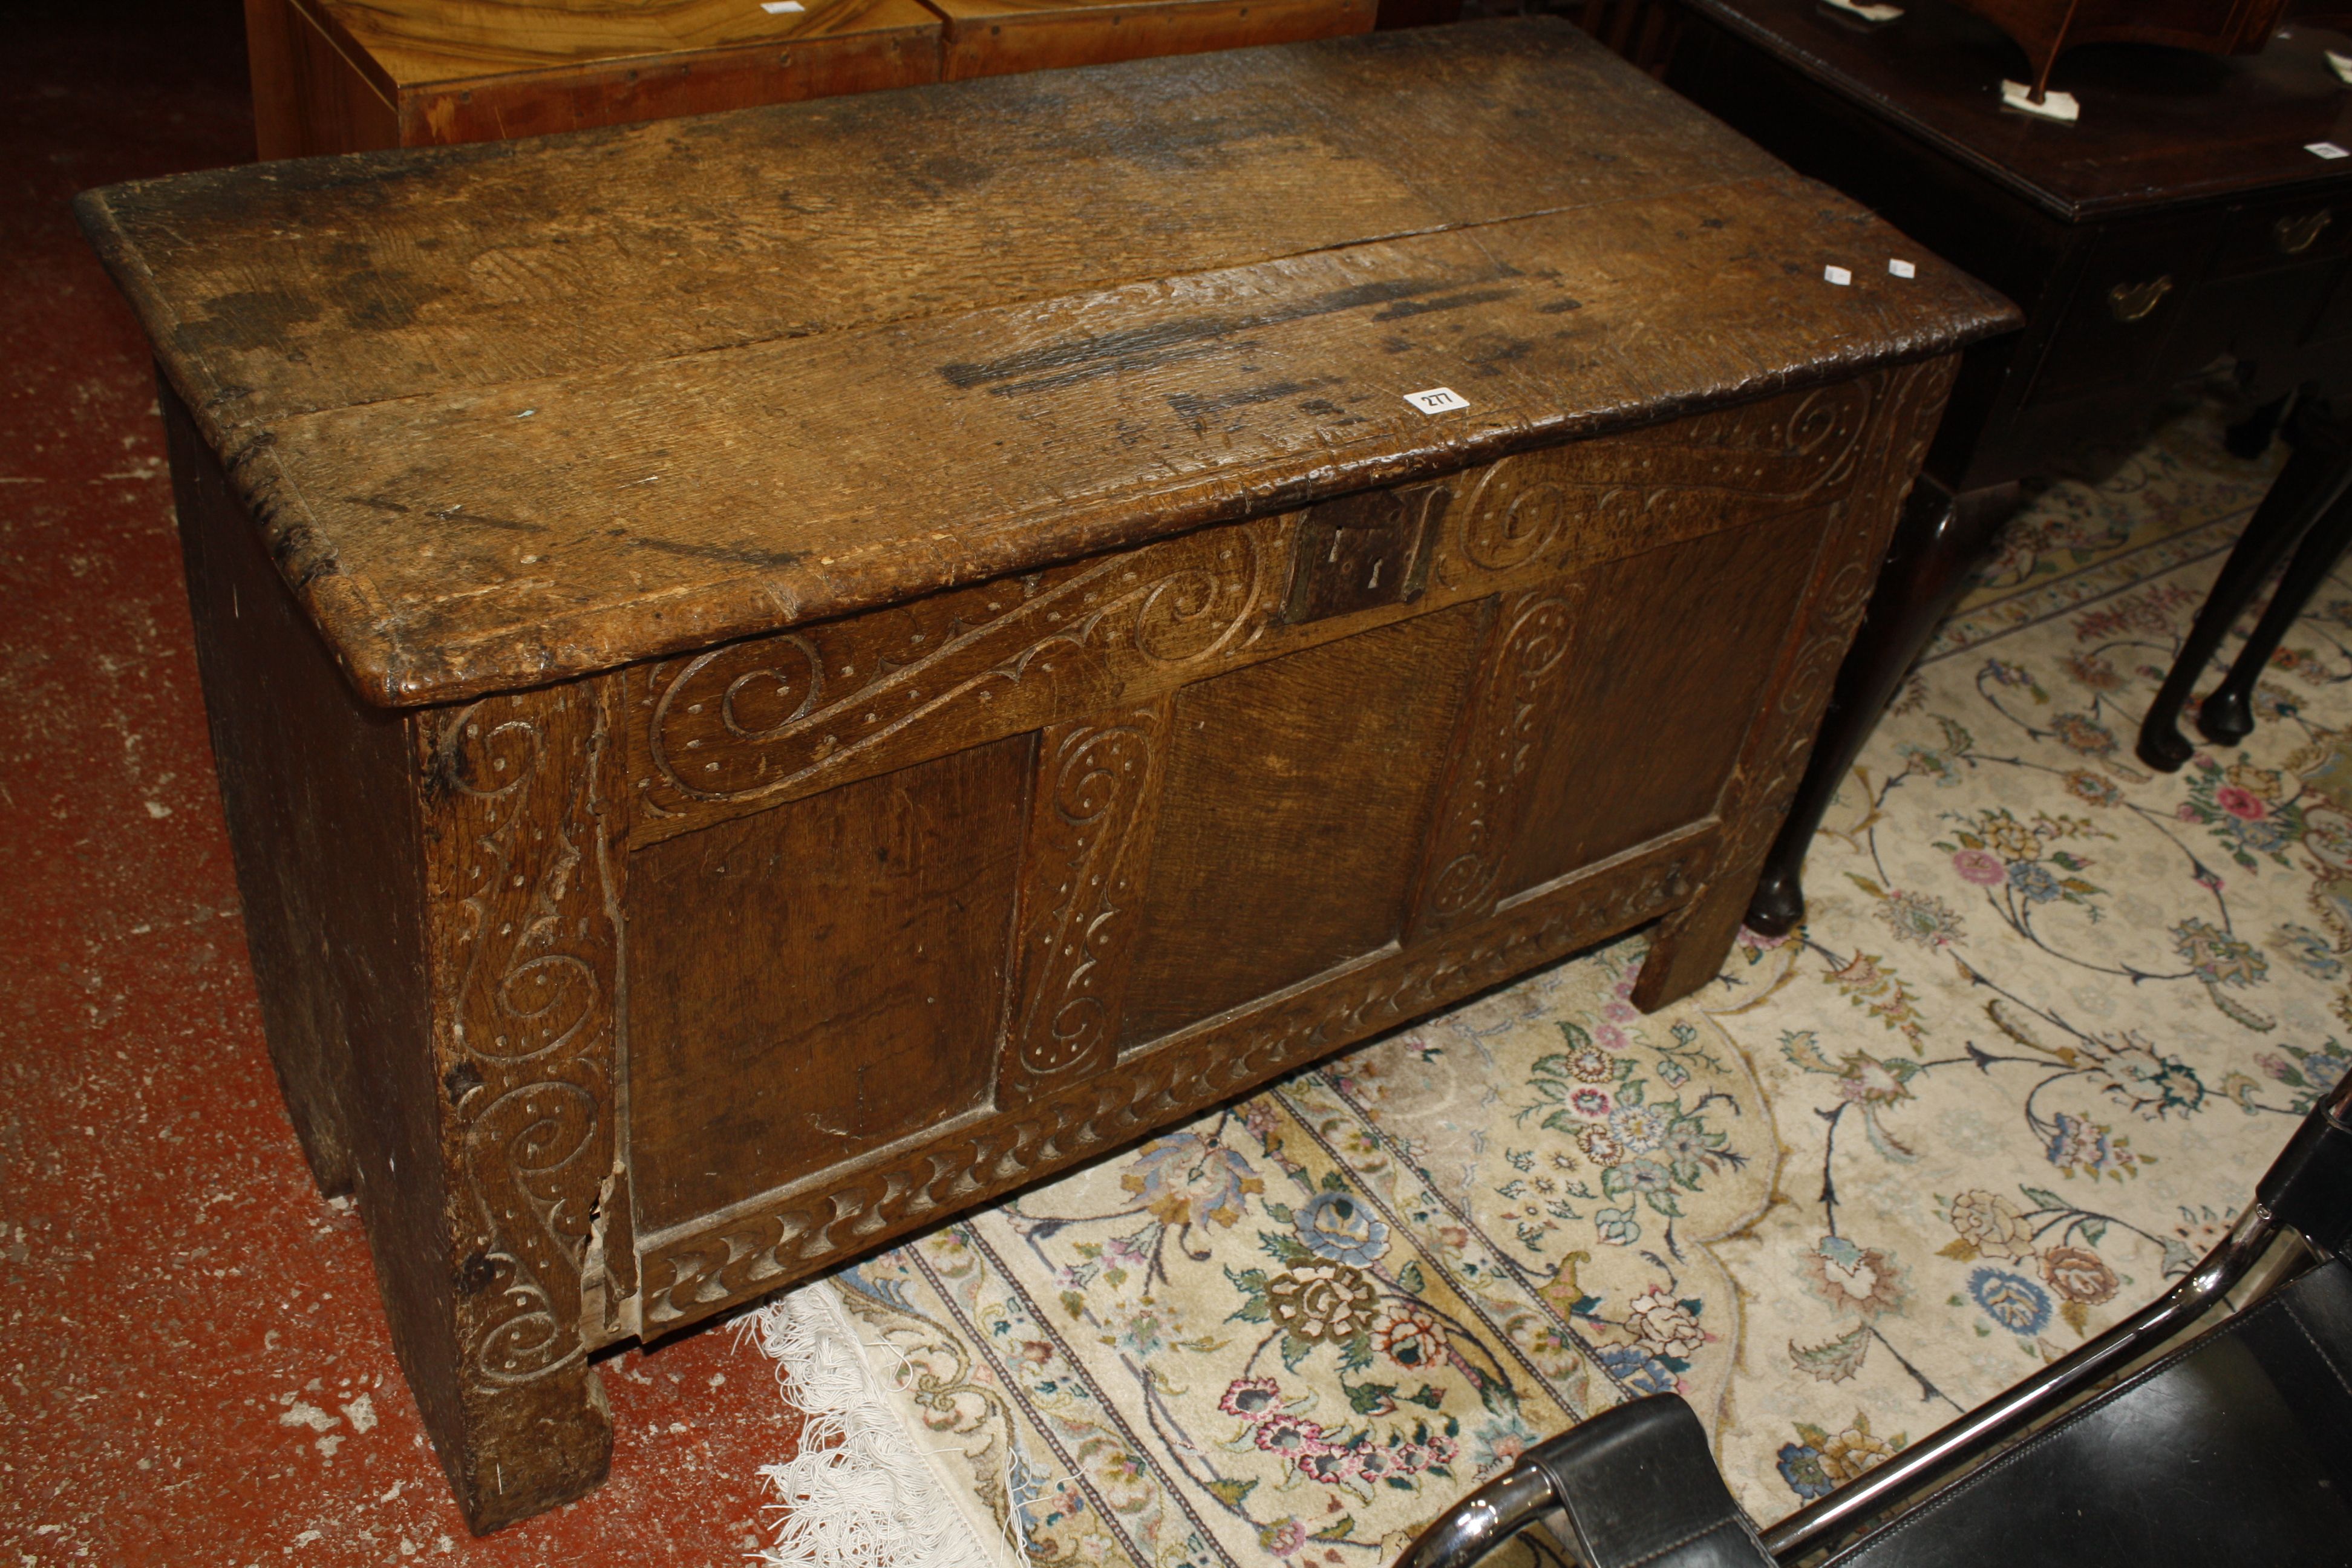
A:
x: 520, y: 806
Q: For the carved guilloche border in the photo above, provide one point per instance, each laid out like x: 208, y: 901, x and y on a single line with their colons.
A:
x: 692, y: 1271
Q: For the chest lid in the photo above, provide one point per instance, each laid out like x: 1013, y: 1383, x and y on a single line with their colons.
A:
x: 521, y: 411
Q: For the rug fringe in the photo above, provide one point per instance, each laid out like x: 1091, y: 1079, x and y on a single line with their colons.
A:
x: 860, y: 1493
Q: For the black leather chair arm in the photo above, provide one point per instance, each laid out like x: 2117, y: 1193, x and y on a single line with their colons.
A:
x: 1638, y: 1486
x: 2309, y: 1186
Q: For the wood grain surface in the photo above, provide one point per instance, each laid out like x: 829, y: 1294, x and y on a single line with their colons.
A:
x: 508, y: 414
x: 770, y: 1241
x: 349, y: 76
x: 1278, y: 786
x: 1248, y: 888
x: 409, y: 44
x: 751, y: 724
x: 993, y: 37
x: 879, y: 912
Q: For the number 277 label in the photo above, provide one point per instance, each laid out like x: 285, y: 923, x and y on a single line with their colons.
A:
x: 1437, y: 400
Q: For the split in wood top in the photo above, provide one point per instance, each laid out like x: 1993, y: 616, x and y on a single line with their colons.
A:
x: 509, y: 413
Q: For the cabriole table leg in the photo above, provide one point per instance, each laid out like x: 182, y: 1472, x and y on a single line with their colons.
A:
x: 1939, y: 540
x: 2315, y: 480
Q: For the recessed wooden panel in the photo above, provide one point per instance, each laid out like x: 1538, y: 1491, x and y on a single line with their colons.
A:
x: 837, y: 964
x: 1648, y: 726
x: 1297, y: 794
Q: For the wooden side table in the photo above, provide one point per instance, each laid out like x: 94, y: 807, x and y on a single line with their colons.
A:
x: 2185, y: 217
x: 352, y: 75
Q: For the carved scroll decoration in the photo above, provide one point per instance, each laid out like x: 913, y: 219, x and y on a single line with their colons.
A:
x: 1660, y: 485
x: 1516, y: 515
x: 526, y: 891
x: 696, y: 1271
x: 754, y: 723
x: 1089, y: 840
x: 748, y: 722
x: 1908, y: 398
x: 1506, y: 723
x: 1763, y: 783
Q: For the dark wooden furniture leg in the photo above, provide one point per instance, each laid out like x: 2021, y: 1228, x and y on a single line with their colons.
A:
x: 2314, y: 480
x: 1941, y: 538
x: 428, y: 899
x: 1690, y: 944
x: 2250, y: 437
x: 2227, y: 716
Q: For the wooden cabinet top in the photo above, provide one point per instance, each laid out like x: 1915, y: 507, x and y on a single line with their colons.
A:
x: 406, y: 44
x: 2159, y: 126
x: 989, y: 38
x: 511, y: 412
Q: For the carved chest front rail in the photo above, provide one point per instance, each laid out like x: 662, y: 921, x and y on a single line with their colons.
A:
x: 720, y: 786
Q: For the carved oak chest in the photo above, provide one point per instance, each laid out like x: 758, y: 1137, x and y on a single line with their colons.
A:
x: 777, y: 676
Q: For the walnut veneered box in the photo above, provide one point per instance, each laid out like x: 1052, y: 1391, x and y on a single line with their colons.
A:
x: 352, y: 75
x: 777, y: 676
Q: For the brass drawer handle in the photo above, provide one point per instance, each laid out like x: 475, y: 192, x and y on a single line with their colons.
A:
x: 2134, y: 301
x: 2297, y: 235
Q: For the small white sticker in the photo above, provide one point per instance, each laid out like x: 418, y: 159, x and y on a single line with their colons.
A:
x: 2324, y: 150
x: 2049, y: 106
x: 1837, y: 275
x: 1900, y: 268
x: 1437, y: 400
x: 778, y: 7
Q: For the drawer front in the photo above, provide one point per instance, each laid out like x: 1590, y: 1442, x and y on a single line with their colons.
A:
x: 2269, y: 235
x: 2135, y: 286
x: 2255, y: 317
x: 2333, y: 321
x: 925, y: 902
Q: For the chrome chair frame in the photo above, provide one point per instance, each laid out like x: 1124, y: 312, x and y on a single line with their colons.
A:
x: 1484, y: 1517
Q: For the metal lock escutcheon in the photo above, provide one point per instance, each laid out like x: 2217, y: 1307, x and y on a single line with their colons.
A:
x: 1358, y: 552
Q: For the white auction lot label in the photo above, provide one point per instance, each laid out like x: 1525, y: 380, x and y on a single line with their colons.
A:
x: 1437, y: 400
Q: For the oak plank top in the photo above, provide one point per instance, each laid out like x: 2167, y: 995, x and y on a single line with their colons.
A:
x: 512, y: 413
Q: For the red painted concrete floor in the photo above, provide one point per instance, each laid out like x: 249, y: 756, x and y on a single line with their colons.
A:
x: 194, y: 1367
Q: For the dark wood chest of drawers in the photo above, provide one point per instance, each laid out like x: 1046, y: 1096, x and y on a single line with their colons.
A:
x: 2200, y: 211
x: 2185, y: 218
x: 775, y: 676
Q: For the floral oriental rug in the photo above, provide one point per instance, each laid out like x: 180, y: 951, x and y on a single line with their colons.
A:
x: 2050, y: 1017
